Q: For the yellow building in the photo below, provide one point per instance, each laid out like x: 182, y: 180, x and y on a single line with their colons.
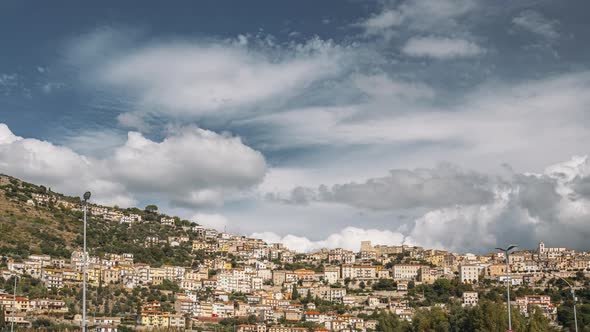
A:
x: 199, y: 245
x: 436, y: 260
x: 496, y: 270
x: 110, y: 276
x: 162, y: 319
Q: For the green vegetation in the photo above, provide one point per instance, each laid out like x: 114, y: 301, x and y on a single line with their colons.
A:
x: 441, y: 291
x: 384, y: 285
x: 56, y: 231
x: 487, y: 317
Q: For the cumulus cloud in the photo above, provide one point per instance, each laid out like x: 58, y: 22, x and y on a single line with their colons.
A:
x: 216, y: 221
x: 535, y: 22
x: 59, y: 167
x: 191, y: 167
x: 441, y: 48
x: 523, y: 209
x: 535, y: 207
x: 349, y: 238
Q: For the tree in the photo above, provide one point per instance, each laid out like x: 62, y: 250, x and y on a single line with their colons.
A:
x: 384, y: 284
x: 347, y: 281
x: 538, y: 322
x: 308, y: 298
x: 389, y: 322
x: 294, y: 293
x: 252, y: 319
x: 432, y: 320
x: 2, y: 318
x: 151, y: 208
x: 41, y: 323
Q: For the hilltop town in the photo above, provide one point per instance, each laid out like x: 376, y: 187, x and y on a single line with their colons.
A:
x: 148, y: 270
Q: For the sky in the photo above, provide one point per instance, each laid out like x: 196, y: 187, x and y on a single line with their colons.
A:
x: 451, y: 124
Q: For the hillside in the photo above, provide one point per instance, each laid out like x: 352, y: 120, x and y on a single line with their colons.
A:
x: 35, y: 220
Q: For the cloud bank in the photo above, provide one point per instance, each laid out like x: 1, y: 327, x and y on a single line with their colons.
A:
x: 349, y: 238
x: 551, y: 206
x: 191, y: 167
x: 402, y: 189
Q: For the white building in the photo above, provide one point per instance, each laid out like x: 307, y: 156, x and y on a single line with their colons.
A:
x: 406, y: 271
x: 167, y: 221
x: 470, y: 299
x: 331, y: 274
x: 549, y: 252
x: 469, y: 274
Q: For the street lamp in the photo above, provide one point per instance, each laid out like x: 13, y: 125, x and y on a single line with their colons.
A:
x: 506, y: 252
x: 13, y: 305
x: 574, y: 298
x: 84, y: 265
x: 573, y: 295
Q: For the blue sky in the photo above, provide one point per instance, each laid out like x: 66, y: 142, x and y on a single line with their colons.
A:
x: 314, y: 123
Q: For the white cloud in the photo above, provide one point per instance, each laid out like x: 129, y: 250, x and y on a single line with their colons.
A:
x: 190, y: 167
x: 50, y: 87
x: 417, y: 15
x: 348, y: 238
x: 8, y: 79
x: 438, y: 8
x: 8, y: 83
x: 56, y: 166
x: 441, y: 48
x: 380, y: 86
x: 96, y: 143
x: 6, y: 136
x: 215, y: 221
x: 203, y: 77
x: 524, y: 209
x: 460, y: 228
x: 381, y: 22
x: 486, y: 127
x: 132, y: 120
x: 534, y: 207
x: 535, y: 22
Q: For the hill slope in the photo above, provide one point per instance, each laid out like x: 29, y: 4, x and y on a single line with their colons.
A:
x: 34, y: 220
